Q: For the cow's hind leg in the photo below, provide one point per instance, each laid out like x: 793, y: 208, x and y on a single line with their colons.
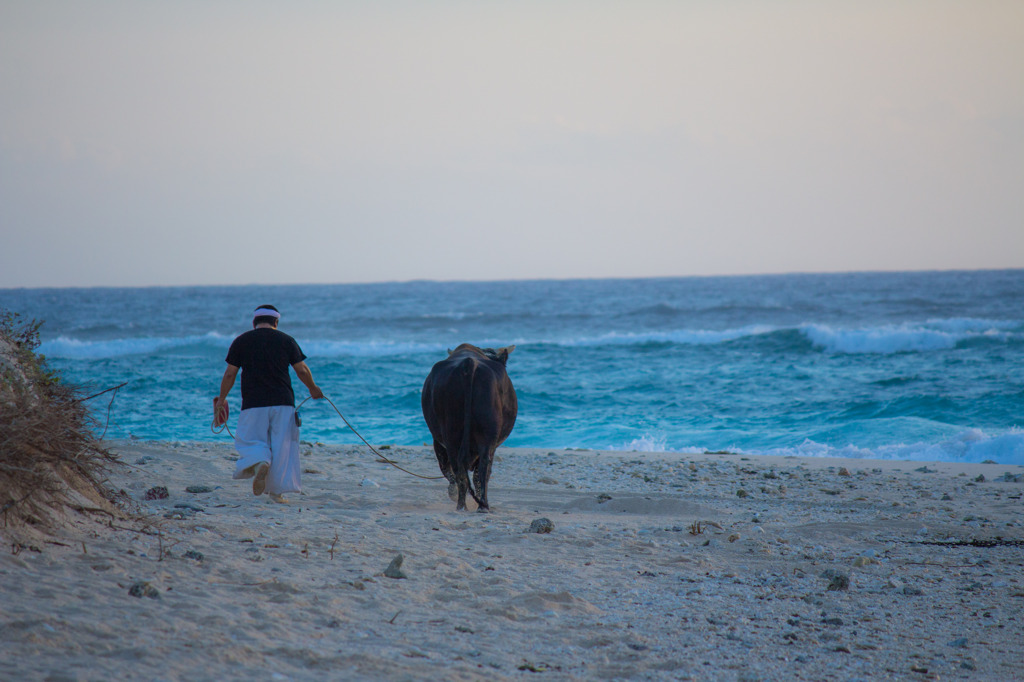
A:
x: 481, y: 476
x: 446, y: 469
x: 462, y: 485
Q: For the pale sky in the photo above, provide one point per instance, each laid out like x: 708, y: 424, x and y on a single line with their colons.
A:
x: 196, y: 142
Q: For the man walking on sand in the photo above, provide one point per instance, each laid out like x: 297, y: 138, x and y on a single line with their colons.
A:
x: 267, y: 435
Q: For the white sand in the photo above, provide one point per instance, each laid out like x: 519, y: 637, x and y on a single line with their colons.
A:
x: 621, y: 589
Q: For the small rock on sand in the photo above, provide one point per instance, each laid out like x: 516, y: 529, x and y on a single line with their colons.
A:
x: 541, y: 525
x: 157, y: 492
x: 144, y: 589
x: 394, y: 569
x: 837, y: 580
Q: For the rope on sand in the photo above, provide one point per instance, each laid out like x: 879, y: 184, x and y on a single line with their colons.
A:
x: 373, y: 449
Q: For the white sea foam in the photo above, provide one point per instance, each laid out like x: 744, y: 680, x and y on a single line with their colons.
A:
x: 372, y: 349
x: 76, y: 349
x: 646, y: 443
x: 971, y: 445
x: 968, y: 325
x: 451, y: 315
x: 931, y: 335
x: 907, y: 337
x: 686, y: 337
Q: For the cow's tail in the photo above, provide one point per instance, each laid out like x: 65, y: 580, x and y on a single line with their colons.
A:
x: 467, y: 423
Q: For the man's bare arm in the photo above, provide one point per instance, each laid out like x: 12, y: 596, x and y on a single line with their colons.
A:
x: 226, y: 383
x: 306, y: 377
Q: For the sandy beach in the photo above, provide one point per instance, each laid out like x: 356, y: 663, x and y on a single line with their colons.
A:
x: 655, y: 566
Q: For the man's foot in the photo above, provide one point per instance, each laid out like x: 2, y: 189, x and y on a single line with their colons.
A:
x: 259, y: 482
x: 280, y: 499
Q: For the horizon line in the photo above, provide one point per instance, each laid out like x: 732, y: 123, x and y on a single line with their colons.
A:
x: 793, y: 273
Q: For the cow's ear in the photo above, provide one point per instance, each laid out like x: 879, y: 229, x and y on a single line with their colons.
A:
x: 449, y: 352
x: 503, y: 353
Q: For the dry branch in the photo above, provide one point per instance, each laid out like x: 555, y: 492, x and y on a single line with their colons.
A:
x: 50, y: 459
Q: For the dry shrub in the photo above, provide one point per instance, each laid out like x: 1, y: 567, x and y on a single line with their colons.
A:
x: 50, y: 460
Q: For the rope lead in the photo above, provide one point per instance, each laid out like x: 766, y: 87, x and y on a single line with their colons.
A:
x: 223, y: 427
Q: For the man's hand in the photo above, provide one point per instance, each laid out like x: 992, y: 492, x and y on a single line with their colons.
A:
x: 220, y: 411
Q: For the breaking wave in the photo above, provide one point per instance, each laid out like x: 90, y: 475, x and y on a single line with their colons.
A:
x: 968, y: 446
x: 922, y: 337
x: 683, y: 337
x: 77, y: 349
x: 909, y: 337
x: 971, y: 445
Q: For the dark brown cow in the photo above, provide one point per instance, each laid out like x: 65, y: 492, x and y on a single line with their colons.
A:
x: 470, y: 408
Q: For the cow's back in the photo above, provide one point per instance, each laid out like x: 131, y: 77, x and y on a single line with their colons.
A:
x: 469, y: 386
x: 444, y: 395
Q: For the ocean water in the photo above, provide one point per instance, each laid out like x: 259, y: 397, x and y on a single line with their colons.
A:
x: 920, y: 366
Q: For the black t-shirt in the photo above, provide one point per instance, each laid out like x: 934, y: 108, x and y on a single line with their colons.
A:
x: 265, y: 356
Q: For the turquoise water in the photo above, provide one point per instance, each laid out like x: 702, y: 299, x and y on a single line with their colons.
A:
x: 923, y: 366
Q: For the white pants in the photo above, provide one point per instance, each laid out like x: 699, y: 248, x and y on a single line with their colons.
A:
x: 269, y: 434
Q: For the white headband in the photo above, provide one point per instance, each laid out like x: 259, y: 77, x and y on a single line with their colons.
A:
x: 266, y: 312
